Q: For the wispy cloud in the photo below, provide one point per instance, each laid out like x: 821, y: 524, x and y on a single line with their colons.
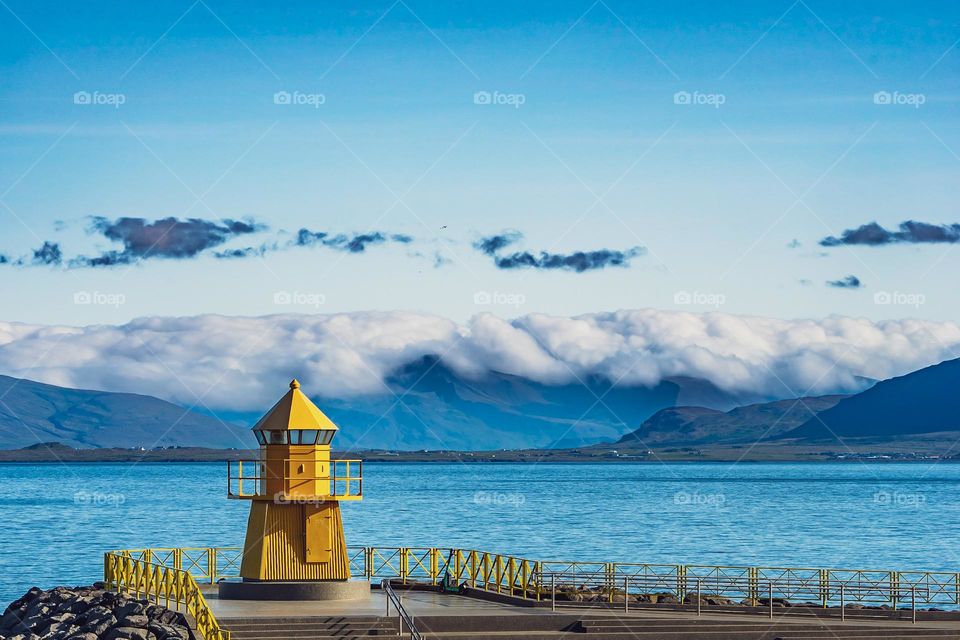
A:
x: 578, y: 261
x: 355, y: 243
x: 48, y: 254
x: 848, y: 282
x: 165, y: 238
x: 493, y: 244
x: 183, y: 239
x: 910, y: 232
x: 351, y: 243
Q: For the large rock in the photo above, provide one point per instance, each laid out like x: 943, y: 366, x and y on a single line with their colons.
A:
x: 137, y: 620
x: 777, y: 602
x: 126, y: 633
x: 168, y: 631
x: 89, y: 613
x: 707, y: 599
x: 662, y: 598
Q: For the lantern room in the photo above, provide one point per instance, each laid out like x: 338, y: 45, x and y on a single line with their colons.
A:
x: 294, y: 461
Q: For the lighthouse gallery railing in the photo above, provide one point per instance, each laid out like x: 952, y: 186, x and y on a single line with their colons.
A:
x: 246, y: 479
x: 535, y: 578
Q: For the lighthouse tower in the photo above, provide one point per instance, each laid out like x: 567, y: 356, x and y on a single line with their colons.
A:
x: 295, y: 530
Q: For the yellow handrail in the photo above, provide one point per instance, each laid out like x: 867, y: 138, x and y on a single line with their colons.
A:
x: 532, y: 578
x: 163, y: 585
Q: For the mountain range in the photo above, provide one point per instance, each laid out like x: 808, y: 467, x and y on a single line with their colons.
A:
x: 429, y: 406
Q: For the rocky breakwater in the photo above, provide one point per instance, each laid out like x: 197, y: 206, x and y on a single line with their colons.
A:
x: 90, y: 613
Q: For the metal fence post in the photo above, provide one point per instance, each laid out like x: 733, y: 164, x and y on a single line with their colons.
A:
x: 626, y: 594
x: 698, y: 596
x: 770, y: 598
x: 843, y: 611
x: 824, y: 587
x: 913, y: 604
x: 553, y: 592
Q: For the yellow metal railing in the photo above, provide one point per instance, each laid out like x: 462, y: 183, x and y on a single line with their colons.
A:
x: 534, y: 579
x: 172, y: 587
x: 246, y: 479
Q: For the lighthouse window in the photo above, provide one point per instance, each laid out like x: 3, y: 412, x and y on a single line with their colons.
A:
x: 278, y: 437
x: 326, y: 437
x: 307, y: 437
x: 260, y: 438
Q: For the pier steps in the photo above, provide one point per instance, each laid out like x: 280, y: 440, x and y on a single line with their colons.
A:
x: 318, y: 628
x: 712, y: 629
x: 551, y: 627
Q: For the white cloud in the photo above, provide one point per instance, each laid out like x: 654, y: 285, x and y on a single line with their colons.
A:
x: 243, y: 364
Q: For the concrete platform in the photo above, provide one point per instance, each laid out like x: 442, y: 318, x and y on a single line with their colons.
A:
x: 419, y: 603
x: 330, y: 590
x: 443, y: 616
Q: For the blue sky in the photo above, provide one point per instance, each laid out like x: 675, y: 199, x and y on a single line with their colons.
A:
x: 587, y: 146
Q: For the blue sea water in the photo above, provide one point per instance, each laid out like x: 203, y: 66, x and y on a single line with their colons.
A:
x: 58, y: 519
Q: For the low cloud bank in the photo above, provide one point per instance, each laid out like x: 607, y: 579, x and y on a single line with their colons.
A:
x: 243, y: 364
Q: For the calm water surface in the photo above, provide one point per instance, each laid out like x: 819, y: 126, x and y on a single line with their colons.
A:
x: 58, y: 519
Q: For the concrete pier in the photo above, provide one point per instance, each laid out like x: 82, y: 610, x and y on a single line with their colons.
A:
x: 442, y: 616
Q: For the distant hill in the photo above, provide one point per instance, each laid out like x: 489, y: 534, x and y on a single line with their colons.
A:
x: 681, y: 426
x: 33, y: 413
x: 925, y: 401
x: 909, y: 407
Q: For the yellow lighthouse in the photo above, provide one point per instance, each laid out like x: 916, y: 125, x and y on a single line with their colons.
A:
x: 295, y: 531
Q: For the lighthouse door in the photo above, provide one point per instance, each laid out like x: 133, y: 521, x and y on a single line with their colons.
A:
x: 319, y: 532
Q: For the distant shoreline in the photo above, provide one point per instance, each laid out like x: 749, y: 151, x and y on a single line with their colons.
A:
x: 597, y: 454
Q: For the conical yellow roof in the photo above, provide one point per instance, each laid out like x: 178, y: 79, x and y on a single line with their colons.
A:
x: 295, y: 411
